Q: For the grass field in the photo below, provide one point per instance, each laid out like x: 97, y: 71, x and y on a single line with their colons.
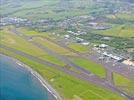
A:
x: 70, y: 88
x: 91, y: 66
x: 78, y: 47
x: 16, y: 42
x: 35, y: 10
x: 68, y: 12
x: 126, y: 84
x: 125, y: 31
x: 124, y: 16
x: 54, y: 47
x: 31, y: 32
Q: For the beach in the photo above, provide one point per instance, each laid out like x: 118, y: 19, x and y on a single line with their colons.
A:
x: 49, y: 88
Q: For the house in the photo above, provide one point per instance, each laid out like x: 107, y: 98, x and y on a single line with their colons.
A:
x: 66, y: 36
x: 94, y: 24
x: 128, y: 62
x: 115, y: 57
x: 77, y: 33
x: 79, y: 40
x: 106, y: 38
x: 103, y: 45
x: 85, y: 43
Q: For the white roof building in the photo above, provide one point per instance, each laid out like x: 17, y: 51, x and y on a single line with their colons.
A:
x: 128, y: 62
x: 66, y: 36
x: 103, y: 45
x: 113, y: 56
x: 85, y: 43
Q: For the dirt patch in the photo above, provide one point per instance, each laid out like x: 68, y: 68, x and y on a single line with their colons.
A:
x: 75, y: 97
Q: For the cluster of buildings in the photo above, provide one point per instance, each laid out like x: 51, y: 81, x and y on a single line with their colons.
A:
x: 128, y: 62
x: 98, y: 26
x: 13, y: 20
x: 78, y: 25
x: 77, y: 33
x: 113, y: 56
x: 108, y: 52
x: 48, y: 23
x: 77, y: 40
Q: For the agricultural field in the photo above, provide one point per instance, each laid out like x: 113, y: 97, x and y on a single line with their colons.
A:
x: 124, y: 16
x: 58, y: 10
x: 126, y: 31
x: 34, y: 9
x: 116, y: 34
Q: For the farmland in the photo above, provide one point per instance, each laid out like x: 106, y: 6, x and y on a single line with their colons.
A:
x: 119, y: 31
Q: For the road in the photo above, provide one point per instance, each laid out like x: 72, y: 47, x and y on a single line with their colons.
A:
x: 113, y: 66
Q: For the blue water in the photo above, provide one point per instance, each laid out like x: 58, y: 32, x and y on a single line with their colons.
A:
x: 16, y: 83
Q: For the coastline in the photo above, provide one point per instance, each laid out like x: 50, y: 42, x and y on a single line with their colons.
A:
x: 37, y: 76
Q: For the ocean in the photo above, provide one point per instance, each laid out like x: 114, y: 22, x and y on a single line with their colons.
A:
x: 17, y: 83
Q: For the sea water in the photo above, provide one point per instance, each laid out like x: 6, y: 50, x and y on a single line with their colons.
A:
x: 17, y: 83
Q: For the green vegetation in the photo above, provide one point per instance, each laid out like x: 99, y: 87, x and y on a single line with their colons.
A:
x: 52, y: 46
x: 97, y: 38
x: 45, y: 17
x: 16, y: 42
x: 31, y: 32
x: 35, y: 9
x: 78, y: 47
x: 91, y: 66
x: 56, y: 9
x: 122, y: 21
x: 119, y: 31
x: 70, y: 88
x: 123, y: 16
x: 126, y: 84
